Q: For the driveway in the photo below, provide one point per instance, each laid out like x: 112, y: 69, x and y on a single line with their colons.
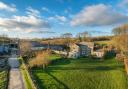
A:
x: 13, y: 62
x: 15, y: 79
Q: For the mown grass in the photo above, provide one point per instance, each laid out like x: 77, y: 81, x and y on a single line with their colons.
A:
x: 27, y: 80
x: 55, y: 57
x: 3, y: 79
x: 82, y: 73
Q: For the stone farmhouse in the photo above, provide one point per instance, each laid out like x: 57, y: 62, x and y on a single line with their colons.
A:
x: 86, y: 48
x: 81, y: 49
x: 74, y: 51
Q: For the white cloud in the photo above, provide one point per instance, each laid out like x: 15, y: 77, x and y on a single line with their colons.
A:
x: 40, y: 32
x: 61, y: 18
x: 33, y: 12
x: 10, y: 8
x: 98, y: 15
x: 32, y: 22
x: 45, y: 9
x: 58, y: 18
x: 68, y: 10
x: 123, y: 3
x: 23, y: 24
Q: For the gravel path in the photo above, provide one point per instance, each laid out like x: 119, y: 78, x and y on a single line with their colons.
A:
x: 15, y: 80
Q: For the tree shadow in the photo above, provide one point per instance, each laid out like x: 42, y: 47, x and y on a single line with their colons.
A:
x: 60, y: 62
x: 39, y: 82
x: 87, y: 68
x: 65, y: 86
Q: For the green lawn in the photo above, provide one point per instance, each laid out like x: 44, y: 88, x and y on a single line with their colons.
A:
x: 3, y: 79
x: 55, y: 57
x: 82, y: 73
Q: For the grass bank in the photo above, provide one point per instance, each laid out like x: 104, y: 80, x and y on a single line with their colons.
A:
x: 26, y: 76
x: 3, y: 78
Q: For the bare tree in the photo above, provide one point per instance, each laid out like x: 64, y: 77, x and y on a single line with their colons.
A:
x: 84, y: 36
x: 120, y: 30
x: 67, y: 40
x: 42, y: 59
x: 121, y: 38
x: 79, y: 37
x: 67, y: 35
x: 25, y: 49
x: 4, y: 38
x: 121, y: 42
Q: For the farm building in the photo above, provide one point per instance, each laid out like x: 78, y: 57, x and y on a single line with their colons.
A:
x: 99, y: 53
x: 81, y: 49
x: 41, y: 46
x: 74, y: 51
x: 86, y: 48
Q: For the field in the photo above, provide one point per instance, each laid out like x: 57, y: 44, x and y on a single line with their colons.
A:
x: 3, y: 79
x: 104, y: 42
x: 82, y: 73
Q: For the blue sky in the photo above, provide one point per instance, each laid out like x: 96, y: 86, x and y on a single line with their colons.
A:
x: 51, y: 18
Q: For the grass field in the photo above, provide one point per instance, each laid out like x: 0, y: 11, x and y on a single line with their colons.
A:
x: 55, y: 57
x: 104, y: 42
x: 3, y: 79
x: 82, y: 73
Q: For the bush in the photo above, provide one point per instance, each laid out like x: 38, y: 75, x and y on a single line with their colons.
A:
x: 109, y: 54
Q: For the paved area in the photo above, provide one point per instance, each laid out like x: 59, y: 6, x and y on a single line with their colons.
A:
x: 13, y: 62
x: 15, y: 80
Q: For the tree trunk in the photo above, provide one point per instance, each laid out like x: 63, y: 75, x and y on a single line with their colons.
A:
x: 67, y: 54
x: 126, y: 65
x: 43, y: 66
